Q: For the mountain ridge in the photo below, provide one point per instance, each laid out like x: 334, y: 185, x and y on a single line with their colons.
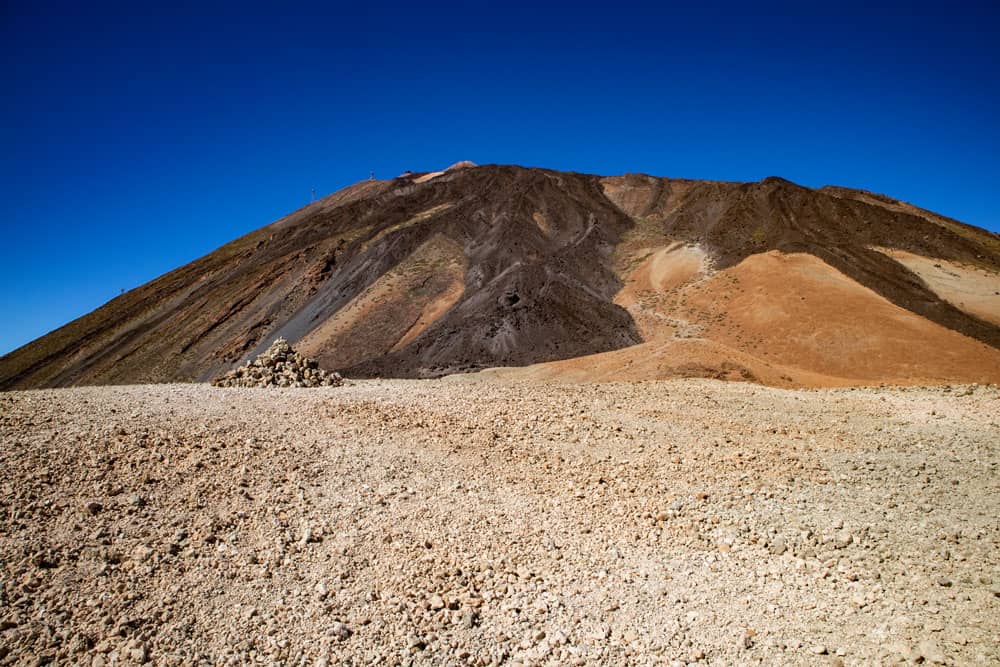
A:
x: 495, y: 265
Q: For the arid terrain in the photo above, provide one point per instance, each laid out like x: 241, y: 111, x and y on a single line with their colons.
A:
x: 498, y: 519
x: 594, y: 278
x: 533, y: 459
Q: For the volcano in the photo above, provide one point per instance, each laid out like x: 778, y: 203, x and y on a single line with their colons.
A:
x: 564, y: 275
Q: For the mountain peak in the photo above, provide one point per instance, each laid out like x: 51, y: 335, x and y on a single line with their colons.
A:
x: 508, y: 266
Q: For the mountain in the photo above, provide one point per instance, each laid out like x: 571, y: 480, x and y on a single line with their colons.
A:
x: 579, y: 276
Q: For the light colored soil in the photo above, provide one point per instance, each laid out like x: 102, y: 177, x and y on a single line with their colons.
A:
x: 435, y: 308
x: 476, y: 521
x: 464, y: 164
x: 427, y: 177
x: 972, y: 289
x: 799, y: 311
x: 667, y: 358
x: 664, y: 269
x: 784, y: 320
x: 543, y: 223
x: 395, y: 309
x: 638, y: 196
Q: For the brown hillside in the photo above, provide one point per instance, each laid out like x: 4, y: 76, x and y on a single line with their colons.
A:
x: 476, y: 267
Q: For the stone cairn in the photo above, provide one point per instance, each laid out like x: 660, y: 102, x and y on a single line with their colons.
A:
x: 279, y: 366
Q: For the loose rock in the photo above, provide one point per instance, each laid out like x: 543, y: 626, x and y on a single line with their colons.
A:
x: 280, y: 366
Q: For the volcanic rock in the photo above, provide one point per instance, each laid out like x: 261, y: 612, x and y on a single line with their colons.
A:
x: 579, y: 276
x: 452, y: 523
x: 280, y: 366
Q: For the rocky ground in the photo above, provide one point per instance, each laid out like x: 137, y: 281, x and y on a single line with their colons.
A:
x: 279, y: 366
x: 473, y: 521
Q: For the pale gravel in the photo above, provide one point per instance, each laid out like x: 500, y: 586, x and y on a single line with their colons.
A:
x: 485, y: 521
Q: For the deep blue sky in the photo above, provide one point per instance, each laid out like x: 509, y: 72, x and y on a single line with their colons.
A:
x: 136, y: 139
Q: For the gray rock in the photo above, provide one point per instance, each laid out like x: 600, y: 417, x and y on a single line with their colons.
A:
x: 340, y: 630
x: 282, y: 367
x: 139, y: 654
x: 777, y: 546
x: 843, y: 540
x: 142, y: 553
x: 931, y: 652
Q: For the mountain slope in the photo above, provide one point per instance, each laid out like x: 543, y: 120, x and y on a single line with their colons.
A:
x: 476, y: 267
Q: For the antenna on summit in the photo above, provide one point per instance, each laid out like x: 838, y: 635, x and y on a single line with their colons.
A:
x: 313, y: 195
x: 371, y: 175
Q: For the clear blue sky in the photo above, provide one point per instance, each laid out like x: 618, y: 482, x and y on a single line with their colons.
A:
x: 136, y: 139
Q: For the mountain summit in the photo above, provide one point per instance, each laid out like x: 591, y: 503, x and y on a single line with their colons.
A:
x: 578, y: 276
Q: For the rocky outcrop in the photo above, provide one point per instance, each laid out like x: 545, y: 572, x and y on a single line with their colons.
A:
x: 280, y: 366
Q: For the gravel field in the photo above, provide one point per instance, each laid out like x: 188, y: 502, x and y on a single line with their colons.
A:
x: 492, y: 521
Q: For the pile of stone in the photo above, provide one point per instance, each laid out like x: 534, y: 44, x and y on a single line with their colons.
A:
x: 279, y: 366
